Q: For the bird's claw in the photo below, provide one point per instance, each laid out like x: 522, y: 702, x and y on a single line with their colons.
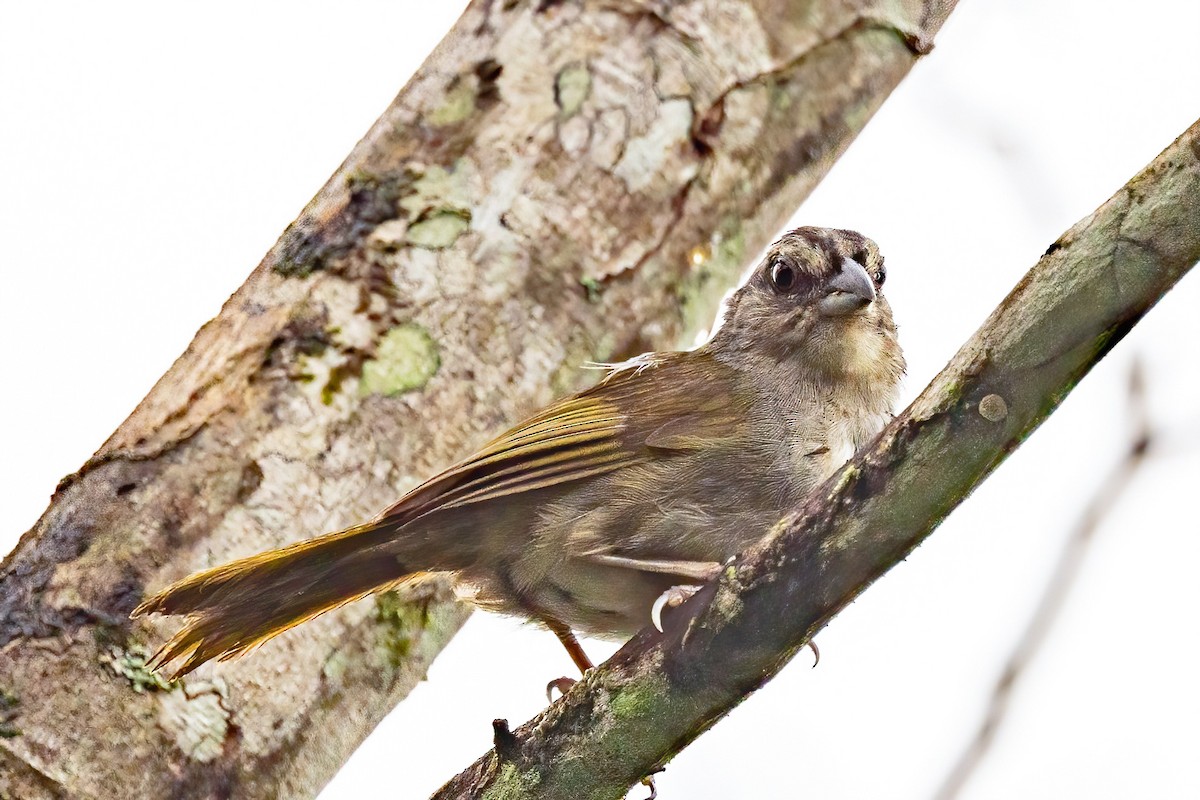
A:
x: 671, y: 598
x: 648, y: 781
x: 562, y: 684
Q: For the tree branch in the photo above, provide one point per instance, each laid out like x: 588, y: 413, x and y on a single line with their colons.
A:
x: 558, y: 183
x: 658, y: 693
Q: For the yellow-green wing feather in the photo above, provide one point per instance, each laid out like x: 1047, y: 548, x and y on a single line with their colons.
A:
x: 677, y: 402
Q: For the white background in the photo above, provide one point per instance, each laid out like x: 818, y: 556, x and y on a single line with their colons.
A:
x: 149, y: 156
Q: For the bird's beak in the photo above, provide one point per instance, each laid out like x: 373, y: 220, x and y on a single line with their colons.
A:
x: 848, y: 291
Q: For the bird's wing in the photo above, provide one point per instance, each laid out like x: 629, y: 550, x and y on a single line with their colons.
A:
x: 675, y: 403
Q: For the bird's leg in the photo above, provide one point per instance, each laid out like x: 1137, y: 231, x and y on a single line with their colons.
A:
x: 574, y: 649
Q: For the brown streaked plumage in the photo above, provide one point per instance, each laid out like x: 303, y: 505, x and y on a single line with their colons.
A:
x: 580, y: 517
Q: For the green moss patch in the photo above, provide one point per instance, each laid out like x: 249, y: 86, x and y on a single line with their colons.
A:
x: 457, y: 104
x: 405, y: 360
x: 512, y: 783
x: 700, y: 292
x: 401, y: 621
x: 439, y: 230
x: 130, y: 663
x: 8, y: 713
x: 571, y: 87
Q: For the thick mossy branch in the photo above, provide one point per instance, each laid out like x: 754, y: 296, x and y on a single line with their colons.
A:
x: 635, y: 712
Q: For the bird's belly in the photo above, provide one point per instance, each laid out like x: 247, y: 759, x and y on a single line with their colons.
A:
x: 593, y: 599
x: 600, y: 571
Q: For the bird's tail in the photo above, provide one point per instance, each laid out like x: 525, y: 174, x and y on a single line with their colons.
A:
x: 235, y: 607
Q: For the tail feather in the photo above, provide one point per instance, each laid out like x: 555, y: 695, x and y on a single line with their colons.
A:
x: 233, y: 608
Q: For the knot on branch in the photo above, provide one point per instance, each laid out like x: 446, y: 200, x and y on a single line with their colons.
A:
x: 508, y: 746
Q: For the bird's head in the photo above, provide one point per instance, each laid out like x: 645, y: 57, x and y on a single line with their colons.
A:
x: 816, y: 301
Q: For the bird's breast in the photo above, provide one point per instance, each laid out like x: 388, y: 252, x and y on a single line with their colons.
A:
x: 815, y: 439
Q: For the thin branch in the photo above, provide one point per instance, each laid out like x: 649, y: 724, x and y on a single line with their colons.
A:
x: 1061, y: 582
x: 628, y: 717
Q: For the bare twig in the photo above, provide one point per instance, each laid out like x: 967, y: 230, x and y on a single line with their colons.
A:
x: 1058, y: 587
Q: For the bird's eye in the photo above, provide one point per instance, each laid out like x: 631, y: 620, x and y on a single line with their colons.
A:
x: 783, y: 277
x: 880, y: 276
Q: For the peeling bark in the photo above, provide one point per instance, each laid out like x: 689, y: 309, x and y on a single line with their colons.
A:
x: 628, y: 717
x: 558, y: 183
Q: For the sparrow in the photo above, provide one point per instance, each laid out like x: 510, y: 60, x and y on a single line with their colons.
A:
x: 616, y: 501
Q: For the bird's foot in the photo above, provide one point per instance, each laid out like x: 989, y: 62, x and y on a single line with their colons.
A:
x: 561, y: 684
x: 671, y: 598
x: 648, y: 782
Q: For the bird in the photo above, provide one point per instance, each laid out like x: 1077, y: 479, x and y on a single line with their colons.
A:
x: 592, y: 515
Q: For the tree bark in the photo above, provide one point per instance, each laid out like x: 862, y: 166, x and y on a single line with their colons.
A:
x: 627, y: 718
x: 558, y: 183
